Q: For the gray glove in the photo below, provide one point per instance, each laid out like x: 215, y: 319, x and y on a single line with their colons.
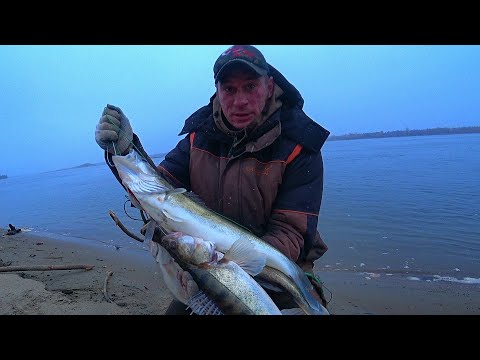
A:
x: 113, y: 132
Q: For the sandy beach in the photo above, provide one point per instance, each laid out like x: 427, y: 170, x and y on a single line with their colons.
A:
x: 135, y: 286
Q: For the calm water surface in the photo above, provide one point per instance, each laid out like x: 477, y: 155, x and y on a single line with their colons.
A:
x: 408, y: 205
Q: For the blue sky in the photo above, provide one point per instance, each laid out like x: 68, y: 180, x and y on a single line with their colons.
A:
x: 52, y: 96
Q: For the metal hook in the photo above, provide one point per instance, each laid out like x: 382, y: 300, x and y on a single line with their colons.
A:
x: 108, y: 157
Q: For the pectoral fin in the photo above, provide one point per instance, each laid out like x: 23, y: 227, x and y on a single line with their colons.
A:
x: 244, y: 254
x: 171, y: 217
x: 173, y: 192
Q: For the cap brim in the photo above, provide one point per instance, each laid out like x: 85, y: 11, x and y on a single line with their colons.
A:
x: 254, y: 67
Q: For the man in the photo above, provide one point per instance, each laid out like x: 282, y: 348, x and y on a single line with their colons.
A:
x: 251, y: 154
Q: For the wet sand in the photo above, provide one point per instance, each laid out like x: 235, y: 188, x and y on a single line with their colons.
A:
x: 136, y: 287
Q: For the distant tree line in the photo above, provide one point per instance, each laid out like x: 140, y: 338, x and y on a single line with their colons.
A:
x: 408, y: 132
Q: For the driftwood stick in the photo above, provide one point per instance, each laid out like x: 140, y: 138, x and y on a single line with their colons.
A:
x: 44, y: 267
x: 13, y: 230
x: 109, y: 273
x: 121, y: 226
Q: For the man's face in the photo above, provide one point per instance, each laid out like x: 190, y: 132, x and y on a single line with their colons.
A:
x: 243, y: 95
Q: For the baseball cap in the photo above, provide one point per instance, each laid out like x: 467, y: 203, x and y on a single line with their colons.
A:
x: 245, y: 54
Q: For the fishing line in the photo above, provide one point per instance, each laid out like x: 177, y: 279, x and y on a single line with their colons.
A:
x: 314, y: 277
x: 331, y: 294
x: 125, y: 209
x: 109, y: 162
x: 145, y: 218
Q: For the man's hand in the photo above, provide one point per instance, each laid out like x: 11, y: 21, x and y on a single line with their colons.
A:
x: 114, y: 132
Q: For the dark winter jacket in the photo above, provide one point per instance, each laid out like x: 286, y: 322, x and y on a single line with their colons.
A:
x: 271, y: 182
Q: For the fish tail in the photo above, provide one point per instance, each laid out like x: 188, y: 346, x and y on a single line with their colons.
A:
x: 306, y: 288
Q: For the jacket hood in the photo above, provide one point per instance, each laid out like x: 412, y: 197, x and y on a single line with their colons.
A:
x: 296, y: 125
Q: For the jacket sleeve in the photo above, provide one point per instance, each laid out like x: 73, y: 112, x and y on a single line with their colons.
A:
x: 175, y: 166
x: 292, y: 227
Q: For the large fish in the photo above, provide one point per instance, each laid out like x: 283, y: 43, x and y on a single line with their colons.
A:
x: 175, y: 210
x: 213, y: 283
x: 181, y: 283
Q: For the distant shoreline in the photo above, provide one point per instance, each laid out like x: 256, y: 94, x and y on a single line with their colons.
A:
x: 154, y: 156
x: 407, y: 132
x: 354, y: 136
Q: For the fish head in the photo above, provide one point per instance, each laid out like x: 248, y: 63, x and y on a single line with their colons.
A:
x: 132, y: 166
x: 190, y: 249
x: 137, y: 176
x: 195, y: 250
x: 203, y: 252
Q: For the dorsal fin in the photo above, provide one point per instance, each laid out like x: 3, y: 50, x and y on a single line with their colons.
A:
x: 173, y: 192
x: 195, y: 198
